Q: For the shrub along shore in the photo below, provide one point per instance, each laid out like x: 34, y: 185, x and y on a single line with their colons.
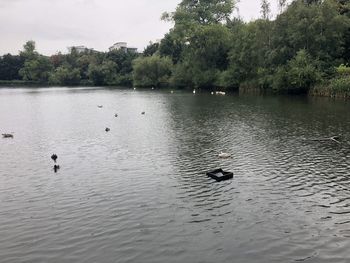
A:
x: 305, y: 49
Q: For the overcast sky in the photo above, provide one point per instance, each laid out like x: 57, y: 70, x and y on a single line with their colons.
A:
x: 56, y: 24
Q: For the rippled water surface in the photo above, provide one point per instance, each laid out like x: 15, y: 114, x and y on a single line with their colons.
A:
x: 139, y: 193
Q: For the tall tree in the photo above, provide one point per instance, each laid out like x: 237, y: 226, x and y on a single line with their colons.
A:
x: 281, y: 5
x: 265, y: 9
x: 10, y: 66
x: 151, y: 49
x: 203, y: 11
x: 152, y: 71
x: 36, y: 67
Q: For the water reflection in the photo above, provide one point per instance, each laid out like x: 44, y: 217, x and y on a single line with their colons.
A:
x: 140, y: 194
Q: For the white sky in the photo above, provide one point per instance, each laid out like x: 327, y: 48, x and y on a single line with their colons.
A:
x: 56, y: 24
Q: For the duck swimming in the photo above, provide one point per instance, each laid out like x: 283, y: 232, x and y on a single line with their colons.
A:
x: 7, y: 135
x: 54, y: 157
x: 107, y: 129
x: 56, y: 167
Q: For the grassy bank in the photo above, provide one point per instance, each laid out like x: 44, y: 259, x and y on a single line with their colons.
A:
x: 336, y: 88
x: 18, y: 83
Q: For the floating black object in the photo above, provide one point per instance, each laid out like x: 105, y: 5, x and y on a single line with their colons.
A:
x: 54, y: 157
x: 107, y: 129
x: 143, y: 113
x: 220, y: 175
x: 56, y: 167
x: 7, y: 135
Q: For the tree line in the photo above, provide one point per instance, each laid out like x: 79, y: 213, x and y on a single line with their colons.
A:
x: 76, y: 68
x: 306, y: 47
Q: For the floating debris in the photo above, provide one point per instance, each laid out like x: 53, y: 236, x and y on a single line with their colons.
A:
x: 224, y: 155
x: 333, y: 138
x: 220, y: 175
x: 194, y: 91
x: 220, y: 93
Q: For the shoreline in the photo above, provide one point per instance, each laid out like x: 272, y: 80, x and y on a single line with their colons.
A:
x: 316, y: 91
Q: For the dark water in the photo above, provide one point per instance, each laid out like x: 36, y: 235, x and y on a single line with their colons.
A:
x: 140, y: 194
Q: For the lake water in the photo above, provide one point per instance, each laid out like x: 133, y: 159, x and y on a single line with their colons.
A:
x: 139, y: 193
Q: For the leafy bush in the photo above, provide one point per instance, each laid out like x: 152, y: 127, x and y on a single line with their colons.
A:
x: 152, y: 71
x: 298, y: 75
x: 337, y: 87
x: 65, y: 76
x: 343, y: 70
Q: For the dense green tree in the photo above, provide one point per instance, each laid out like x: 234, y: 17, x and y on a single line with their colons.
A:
x: 172, y: 46
x: 65, y: 75
x: 182, y: 75
x: 29, y: 51
x: 317, y: 28
x: 203, y: 11
x: 102, y: 74
x: 10, y: 66
x: 57, y: 59
x: 152, y: 71
x: 36, y: 69
x: 151, y: 49
x: 244, y: 56
x: 207, y: 53
x: 302, y: 72
x: 123, y: 60
x: 83, y: 63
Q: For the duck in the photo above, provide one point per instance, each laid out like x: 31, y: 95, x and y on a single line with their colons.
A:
x: 194, y: 91
x: 107, y: 129
x: 143, y: 113
x: 100, y: 106
x: 116, y: 115
x: 54, y: 157
x: 224, y: 155
x: 7, y: 135
x: 56, y: 167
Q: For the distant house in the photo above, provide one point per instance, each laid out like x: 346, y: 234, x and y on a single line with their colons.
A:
x: 132, y: 49
x: 79, y: 49
x: 123, y: 46
x: 119, y: 46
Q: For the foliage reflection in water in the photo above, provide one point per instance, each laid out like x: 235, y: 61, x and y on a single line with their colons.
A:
x: 140, y: 194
